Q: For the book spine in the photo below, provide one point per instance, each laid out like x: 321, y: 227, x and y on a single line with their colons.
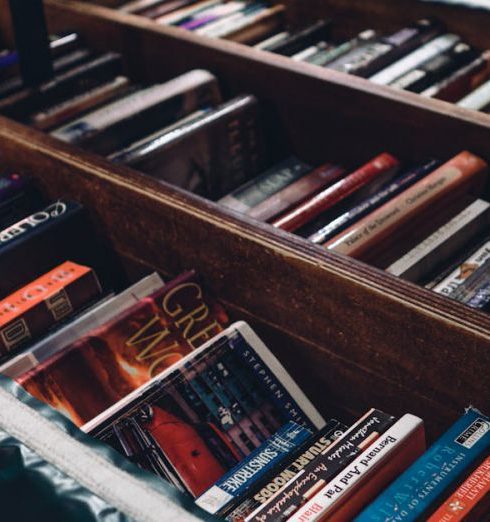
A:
x: 279, y: 477
x: 297, y: 192
x: 444, y: 243
x: 412, y: 494
x: 302, y: 214
x: 266, y: 185
x: 415, y: 59
x: 464, y: 172
x: 33, y: 309
x: 362, y: 469
x: 368, y: 205
x: 469, y: 289
x: 467, y: 497
x: 323, y: 468
x: 242, y: 477
x: 478, y: 100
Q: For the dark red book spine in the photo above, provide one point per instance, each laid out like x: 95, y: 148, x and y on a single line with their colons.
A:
x: 334, y: 194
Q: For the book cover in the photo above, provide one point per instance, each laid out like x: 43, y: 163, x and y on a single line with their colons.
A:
x: 386, y: 193
x: 468, y: 498
x: 169, y: 427
x: 368, y: 474
x: 46, y: 238
x: 422, y: 485
x: 444, y: 243
x: 109, y: 362
x: 239, y: 480
x: 29, y: 312
x: 124, y: 121
x: 379, y: 168
x: 323, y: 468
x: 475, y: 290
x: 280, y: 476
x: 212, y: 152
x: 464, y: 174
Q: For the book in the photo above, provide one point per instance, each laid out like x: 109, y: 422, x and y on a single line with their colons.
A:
x: 47, y: 238
x: 211, y: 153
x: 478, y: 100
x: 19, y: 197
x: 297, y: 192
x: 323, y: 468
x: 435, y: 69
x: 359, y: 54
x: 79, y: 326
x: 281, y: 475
x: 469, y: 500
x: 385, y: 194
x: 368, y: 474
x: 29, y: 312
x: 463, y: 270
x: 89, y: 375
x: 70, y: 83
x: 386, y: 50
x: 461, y: 82
x: 169, y: 427
x: 437, y: 470
x: 126, y: 120
x: 416, y: 58
x: 378, y: 170
x: 60, y: 113
x: 419, y: 262
x: 464, y: 174
x: 242, y: 478
x: 261, y: 188
x: 475, y: 290
x: 301, y: 39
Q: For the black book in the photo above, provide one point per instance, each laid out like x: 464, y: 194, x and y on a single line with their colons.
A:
x: 302, y: 39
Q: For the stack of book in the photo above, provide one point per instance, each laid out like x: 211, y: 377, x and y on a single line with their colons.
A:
x: 423, y: 58
x: 155, y: 371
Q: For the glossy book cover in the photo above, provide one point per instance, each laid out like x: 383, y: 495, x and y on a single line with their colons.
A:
x: 90, y: 375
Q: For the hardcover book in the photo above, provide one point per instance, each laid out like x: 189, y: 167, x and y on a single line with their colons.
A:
x: 106, y: 364
x: 437, y: 470
x: 190, y: 426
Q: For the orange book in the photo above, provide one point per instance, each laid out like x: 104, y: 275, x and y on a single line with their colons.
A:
x: 468, y: 498
x: 465, y: 173
x: 29, y: 312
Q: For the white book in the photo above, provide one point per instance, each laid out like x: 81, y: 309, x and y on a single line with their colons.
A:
x: 272, y: 40
x: 93, y: 318
x: 415, y: 59
x: 362, y: 469
x: 443, y: 243
x: 181, y: 14
x: 478, y: 100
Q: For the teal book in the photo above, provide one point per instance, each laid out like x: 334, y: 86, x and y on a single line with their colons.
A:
x: 418, y: 490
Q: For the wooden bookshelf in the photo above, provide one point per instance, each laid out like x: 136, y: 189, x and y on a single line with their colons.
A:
x: 352, y: 335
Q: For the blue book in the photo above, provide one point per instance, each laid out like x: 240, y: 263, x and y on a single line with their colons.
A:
x: 243, y: 476
x: 420, y: 488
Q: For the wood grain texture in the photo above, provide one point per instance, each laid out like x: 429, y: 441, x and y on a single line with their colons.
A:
x: 355, y: 327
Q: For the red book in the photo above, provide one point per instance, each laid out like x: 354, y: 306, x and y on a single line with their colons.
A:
x: 86, y: 377
x: 470, y: 500
x: 297, y: 192
x: 465, y: 173
x: 30, y: 312
x: 381, y: 166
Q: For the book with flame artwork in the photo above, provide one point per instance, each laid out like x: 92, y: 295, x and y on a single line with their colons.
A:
x: 197, y: 420
x: 88, y: 376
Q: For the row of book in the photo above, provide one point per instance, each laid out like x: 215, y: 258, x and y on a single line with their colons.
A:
x: 423, y: 57
x: 181, y: 131
x: 425, y: 222
x: 155, y: 371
